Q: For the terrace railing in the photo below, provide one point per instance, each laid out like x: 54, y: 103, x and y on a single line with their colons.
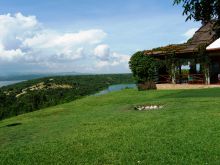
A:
x: 164, y: 79
x: 196, y: 79
x: 184, y: 78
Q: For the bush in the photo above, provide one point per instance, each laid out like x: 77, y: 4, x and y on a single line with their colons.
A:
x: 144, y: 69
x: 149, y: 85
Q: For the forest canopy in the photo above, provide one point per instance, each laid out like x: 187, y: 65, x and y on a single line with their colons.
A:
x: 41, y: 93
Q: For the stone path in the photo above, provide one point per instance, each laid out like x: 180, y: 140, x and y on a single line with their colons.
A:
x: 185, y: 86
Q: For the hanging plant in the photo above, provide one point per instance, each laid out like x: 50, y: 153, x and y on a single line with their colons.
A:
x: 171, y: 63
x: 202, y: 56
x: 204, y: 61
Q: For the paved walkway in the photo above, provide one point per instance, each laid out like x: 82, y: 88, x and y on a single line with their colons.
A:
x: 185, y: 86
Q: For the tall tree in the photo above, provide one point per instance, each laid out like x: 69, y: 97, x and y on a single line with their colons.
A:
x: 200, y: 10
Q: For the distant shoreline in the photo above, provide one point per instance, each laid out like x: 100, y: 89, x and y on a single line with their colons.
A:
x: 38, y: 76
x: 6, y: 83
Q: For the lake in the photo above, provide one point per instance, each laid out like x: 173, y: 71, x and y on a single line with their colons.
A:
x: 114, y: 88
x: 5, y: 83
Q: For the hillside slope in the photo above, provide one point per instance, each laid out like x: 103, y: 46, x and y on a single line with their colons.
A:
x: 107, y: 130
x: 32, y: 95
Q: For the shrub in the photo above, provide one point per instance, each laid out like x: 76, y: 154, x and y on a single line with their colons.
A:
x: 144, y: 69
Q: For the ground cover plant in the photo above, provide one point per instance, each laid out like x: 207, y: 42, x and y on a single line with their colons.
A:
x: 107, y: 130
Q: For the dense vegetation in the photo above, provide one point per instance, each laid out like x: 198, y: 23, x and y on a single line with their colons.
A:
x: 202, y: 10
x: 40, y: 93
x: 107, y: 130
x: 144, y: 68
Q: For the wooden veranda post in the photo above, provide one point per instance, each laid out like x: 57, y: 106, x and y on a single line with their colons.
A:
x: 207, y: 75
x: 180, y: 74
x: 173, y: 72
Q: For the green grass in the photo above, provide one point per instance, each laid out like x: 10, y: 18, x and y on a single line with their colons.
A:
x: 106, y: 130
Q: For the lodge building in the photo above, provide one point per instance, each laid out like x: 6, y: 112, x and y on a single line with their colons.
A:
x: 187, y: 54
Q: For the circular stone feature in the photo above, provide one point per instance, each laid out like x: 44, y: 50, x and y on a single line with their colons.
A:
x: 148, y: 107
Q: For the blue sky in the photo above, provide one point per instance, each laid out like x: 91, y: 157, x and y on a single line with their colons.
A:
x: 119, y: 27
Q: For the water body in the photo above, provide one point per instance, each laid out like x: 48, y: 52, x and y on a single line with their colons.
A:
x: 114, y: 88
x: 5, y: 83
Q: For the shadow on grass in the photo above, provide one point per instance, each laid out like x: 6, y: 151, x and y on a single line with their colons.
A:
x: 13, y: 124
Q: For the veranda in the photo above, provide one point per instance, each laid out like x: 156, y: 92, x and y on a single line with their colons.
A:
x: 200, y: 56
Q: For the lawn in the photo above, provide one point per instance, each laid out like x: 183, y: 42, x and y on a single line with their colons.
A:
x: 107, y: 130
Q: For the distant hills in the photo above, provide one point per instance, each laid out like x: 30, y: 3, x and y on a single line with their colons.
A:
x: 32, y: 95
x: 30, y: 76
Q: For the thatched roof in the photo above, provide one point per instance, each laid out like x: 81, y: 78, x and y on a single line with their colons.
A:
x: 205, y: 35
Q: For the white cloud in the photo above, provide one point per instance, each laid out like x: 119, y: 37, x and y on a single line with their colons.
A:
x: 10, y: 55
x: 24, y: 37
x: 49, y: 39
x: 106, y: 58
x: 68, y: 46
x: 102, y: 52
x: 26, y: 43
x: 189, y: 33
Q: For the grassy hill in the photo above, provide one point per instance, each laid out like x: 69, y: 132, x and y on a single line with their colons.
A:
x: 107, y: 130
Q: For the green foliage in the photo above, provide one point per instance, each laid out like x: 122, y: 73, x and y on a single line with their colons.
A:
x: 185, y: 71
x: 202, y: 10
x: 170, y: 48
x: 143, y: 67
x: 202, y: 56
x: 204, y: 60
x: 172, y: 62
x: 107, y: 130
x: 12, y: 105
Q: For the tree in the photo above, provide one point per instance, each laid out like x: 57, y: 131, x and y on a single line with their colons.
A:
x: 144, y: 69
x: 200, y: 10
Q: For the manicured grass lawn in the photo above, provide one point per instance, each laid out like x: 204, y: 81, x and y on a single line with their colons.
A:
x: 106, y: 130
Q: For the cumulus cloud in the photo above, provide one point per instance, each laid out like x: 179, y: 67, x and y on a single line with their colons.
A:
x: 25, y: 41
x: 68, y: 46
x: 107, y: 58
x: 102, y: 52
x: 24, y: 37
